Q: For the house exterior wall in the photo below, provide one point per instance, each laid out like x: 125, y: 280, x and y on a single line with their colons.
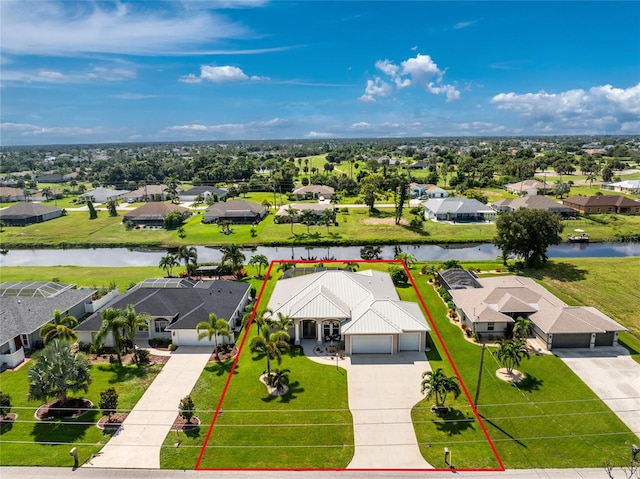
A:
x: 189, y: 337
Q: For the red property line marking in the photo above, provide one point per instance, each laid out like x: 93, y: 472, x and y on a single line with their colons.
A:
x: 434, y: 328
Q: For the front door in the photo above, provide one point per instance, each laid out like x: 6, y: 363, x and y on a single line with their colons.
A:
x: 308, y: 329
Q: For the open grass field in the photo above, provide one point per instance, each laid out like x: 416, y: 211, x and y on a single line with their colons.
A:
x: 47, y: 443
x: 551, y: 420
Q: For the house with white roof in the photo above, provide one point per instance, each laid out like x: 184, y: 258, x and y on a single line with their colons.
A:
x: 626, y: 186
x: 101, y: 195
x: 362, y: 308
x: 462, y: 210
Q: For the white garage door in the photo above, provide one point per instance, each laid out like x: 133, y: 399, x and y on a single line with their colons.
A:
x: 410, y: 342
x: 371, y: 344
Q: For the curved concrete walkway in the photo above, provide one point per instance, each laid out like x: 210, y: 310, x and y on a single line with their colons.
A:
x: 138, y: 442
x: 382, y: 391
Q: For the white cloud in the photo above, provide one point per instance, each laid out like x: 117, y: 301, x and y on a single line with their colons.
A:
x: 68, y: 28
x: 603, y: 109
x: 253, y: 129
x: 319, y: 135
x: 461, y: 25
x: 97, y: 74
x: 27, y: 129
x: 375, y: 88
x: 418, y: 71
x: 219, y: 74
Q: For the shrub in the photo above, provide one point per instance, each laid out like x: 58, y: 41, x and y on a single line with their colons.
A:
x: 450, y: 305
x: 172, y: 347
x: 5, y: 404
x: 108, y: 401
x: 143, y: 356
x: 187, y: 408
x: 398, y: 275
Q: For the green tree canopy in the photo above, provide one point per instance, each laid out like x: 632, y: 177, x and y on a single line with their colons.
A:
x: 56, y: 371
x: 527, y: 234
x: 369, y: 186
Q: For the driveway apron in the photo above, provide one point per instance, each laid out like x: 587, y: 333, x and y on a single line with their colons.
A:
x: 138, y: 442
x: 613, y: 376
x: 382, y: 391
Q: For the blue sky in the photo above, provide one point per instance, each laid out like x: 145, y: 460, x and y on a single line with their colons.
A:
x: 86, y: 72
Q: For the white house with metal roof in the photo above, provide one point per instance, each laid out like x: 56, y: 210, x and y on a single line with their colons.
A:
x: 362, y: 308
x: 457, y: 210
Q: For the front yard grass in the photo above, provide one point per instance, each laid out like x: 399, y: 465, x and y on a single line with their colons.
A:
x: 29, y: 442
x: 552, y: 420
x: 309, y: 427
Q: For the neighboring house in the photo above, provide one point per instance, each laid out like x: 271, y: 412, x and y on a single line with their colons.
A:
x: 603, y: 204
x: 417, y: 190
x: 52, y: 178
x: 27, y: 306
x: 529, y: 187
x: 460, y: 210
x: 176, y: 306
x: 535, y: 202
x: 499, y: 301
x: 457, y: 278
x: 204, y: 192
x: 27, y: 213
x: 102, y: 195
x: 153, y: 214
x: 362, y: 308
x: 313, y: 192
x: 419, y: 165
x: 626, y: 186
x: 9, y: 194
x: 147, y: 193
x: 282, y: 215
x: 236, y: 211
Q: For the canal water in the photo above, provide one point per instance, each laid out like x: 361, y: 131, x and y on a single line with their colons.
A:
x: 134, y: 257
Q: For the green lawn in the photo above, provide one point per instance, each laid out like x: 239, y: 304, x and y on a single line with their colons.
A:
x: 552, y: 420
x: 29, y: 442
x: 310, y: 427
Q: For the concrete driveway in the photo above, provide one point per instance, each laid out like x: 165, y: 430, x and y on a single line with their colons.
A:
x: 612, y: 375
x: 138, y: 442
x: 382, y: 391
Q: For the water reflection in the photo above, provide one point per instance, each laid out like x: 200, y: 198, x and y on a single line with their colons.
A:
x: 128, y: 257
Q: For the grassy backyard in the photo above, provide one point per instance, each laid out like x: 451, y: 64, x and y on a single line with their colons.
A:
x: 29, y: 442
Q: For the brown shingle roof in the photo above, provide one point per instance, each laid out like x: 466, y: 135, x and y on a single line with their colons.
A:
x: 601, y: 201
x: 155, y: 209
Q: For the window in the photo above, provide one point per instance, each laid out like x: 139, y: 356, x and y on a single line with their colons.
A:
x: 491, y: 326
x: 598, y: 210
x: 610, y: 209
x: 160, y: 325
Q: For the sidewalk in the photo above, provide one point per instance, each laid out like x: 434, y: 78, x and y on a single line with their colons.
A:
x: 138, y: 442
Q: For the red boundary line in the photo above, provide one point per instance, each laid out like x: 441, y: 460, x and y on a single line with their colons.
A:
x: 434, y: 328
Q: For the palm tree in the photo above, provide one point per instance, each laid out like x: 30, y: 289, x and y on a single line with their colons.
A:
x: 233, y: 254
x: 112, y: 323
x: 291, y: 214
x: 436, y: 383
x: 283, y: 322
x: 308, y: 217
x: 351, y: 266
x: 591, y: 177
x: 272, y: 345
x: 60, y: 327
x: 133, y: 322
x: 278, y: 379
x: 408, y: 259
x: 56, y: 371
x: 259, y: 261
x: 328, y: 217
x: 168, y: 262
x: 523, y: 327
x: 430, y: 269
x: 47, y: 193
x: 266, y: 204
x: 213, y: 328
x: 511, y: 352
x: 188, y: 254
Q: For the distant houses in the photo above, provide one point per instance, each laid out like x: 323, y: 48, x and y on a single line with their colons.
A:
x: 461, y: 210
x: 283, y: 216
x: 313, y: 192
x: 153, y: 214
x: 27, y: 213
x: 236, y: 211
x: 626, y: 186
x: 147, y: 193
x: 535, y: 202
x: 529, y: 187
x: 613, y: 204
x: 102, y: 195
x: 423, y: 192
x: 203, y: 192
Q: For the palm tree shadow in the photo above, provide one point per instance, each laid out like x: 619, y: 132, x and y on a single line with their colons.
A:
x: 294, y: 390
x: 529, y: 383
x: 503, y: 431
x: 455, y: 423
x: 68, y: 430
x: 222, y: 368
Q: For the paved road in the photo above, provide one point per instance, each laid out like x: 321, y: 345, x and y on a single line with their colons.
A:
x: 613, y: 375
x: 97, y: 473
x: 138, y: 443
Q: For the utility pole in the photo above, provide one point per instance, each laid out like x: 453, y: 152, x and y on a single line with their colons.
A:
x: 475, y: 400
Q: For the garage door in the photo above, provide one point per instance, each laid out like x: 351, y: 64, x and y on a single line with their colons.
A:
x: 410, y: 342
x: 604, y: 339
x: 371, y: 344
x: 571, y: 340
